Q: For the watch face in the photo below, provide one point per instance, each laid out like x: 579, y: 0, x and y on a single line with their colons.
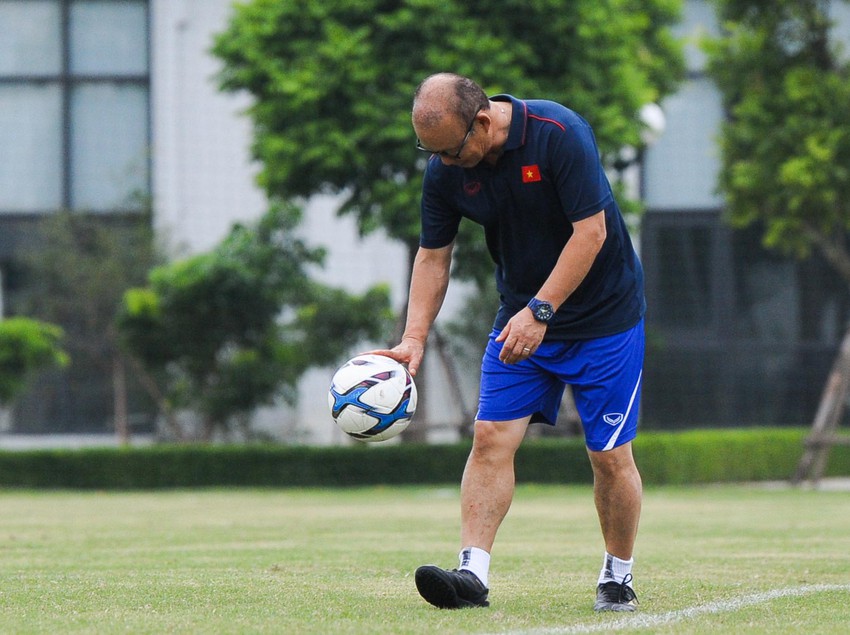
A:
x: 543, y: 312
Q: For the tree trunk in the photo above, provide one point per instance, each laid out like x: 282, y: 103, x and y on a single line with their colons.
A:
x: 825, y: 426
x: 159, y: 399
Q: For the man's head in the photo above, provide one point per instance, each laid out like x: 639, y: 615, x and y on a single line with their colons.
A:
x: 447, y: 109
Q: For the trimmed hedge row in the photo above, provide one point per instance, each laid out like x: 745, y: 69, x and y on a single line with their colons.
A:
x: 703, y: 456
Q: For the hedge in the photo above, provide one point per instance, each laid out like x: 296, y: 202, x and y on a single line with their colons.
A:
x: 703, y: 456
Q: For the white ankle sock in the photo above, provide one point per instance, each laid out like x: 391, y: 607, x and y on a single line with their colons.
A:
x: 615, y: 569
x: 477, y: 561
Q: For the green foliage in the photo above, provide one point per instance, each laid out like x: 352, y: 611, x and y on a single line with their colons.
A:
x: 333, y: 82
x: 26, y: 346
x: 232, y: 329
x: 702, y: 456
x: 786, y: 146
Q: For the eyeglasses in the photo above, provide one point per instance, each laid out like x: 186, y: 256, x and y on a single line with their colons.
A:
x: 446, y: 153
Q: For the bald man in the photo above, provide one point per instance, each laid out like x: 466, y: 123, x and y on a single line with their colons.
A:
x: 571, y: 312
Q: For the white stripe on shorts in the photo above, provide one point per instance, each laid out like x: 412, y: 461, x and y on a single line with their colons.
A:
x: 616, y: 434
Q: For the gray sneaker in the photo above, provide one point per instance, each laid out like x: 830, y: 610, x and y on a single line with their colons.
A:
x: 613, y: 596
x: 450, y: 589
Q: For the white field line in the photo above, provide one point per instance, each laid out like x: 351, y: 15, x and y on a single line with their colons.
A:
x: 640, y: 620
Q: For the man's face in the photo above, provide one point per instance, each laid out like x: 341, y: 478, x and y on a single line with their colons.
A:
x: 450, y: 142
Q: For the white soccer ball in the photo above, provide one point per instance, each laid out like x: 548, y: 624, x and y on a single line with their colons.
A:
x: 372, y: 398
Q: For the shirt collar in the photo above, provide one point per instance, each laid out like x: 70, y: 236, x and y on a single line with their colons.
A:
x: 519, y: 120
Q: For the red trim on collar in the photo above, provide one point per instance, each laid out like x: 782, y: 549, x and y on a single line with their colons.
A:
x: 557, y: 123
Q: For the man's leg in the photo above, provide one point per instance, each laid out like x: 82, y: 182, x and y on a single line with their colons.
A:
x: 487, y: 490
x: 617, y: 491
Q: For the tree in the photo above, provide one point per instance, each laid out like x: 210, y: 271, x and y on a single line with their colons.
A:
x: 26, y: 346
x: 229, y: 330
x: 333, y: 81
x: 786, y: 152
x: 786, y: 144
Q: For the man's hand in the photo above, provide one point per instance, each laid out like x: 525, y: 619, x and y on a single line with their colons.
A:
x: 409, y: 351
x: 521, y: 336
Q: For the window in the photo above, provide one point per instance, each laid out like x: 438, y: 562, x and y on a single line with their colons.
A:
x: 30, y: 147
x: 74, y: 106
x: 74, y: 134
x: 737, y: 335
x: 29, y: 38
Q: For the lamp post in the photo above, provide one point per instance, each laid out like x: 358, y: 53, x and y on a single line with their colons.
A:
x: 629, y: 159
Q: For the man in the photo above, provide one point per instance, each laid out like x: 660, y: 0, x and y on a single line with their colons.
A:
x: 571, y: 312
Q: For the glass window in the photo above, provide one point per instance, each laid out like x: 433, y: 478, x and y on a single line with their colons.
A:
x: 30, y: 37
x: 109, y: 153
x: 108, y: 38
x: 30, y: 147
x: 681, y: 169
x: 685, y: 282
x: 767, y: 294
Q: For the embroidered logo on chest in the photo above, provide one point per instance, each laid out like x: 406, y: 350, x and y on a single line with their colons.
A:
x: 530, y: 173
x: 472, y: 187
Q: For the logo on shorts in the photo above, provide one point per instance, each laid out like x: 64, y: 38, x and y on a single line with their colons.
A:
x: 613, y: 418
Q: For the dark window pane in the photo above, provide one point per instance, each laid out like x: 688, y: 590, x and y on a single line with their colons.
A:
x: 684, y: 276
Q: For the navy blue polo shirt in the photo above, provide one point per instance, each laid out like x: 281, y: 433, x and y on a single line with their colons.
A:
x: 548, y: 177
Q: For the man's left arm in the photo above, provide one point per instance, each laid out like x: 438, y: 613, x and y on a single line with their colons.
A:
x: 523, y: 334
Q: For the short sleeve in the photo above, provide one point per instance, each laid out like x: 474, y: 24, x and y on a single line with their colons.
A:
x: 577, y: 171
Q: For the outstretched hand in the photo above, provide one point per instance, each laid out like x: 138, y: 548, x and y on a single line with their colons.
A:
x: 409, y: 351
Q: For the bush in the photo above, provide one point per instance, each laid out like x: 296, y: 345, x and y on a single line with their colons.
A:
x: 704, y: 456
x: 26, y: 346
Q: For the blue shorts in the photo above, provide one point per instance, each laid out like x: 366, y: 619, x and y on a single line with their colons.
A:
x: 604, y: 373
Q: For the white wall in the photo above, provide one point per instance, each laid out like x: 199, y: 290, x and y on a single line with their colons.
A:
x: 203, y: 177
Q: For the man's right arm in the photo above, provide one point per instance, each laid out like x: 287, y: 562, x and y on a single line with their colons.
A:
x: 428, y: 284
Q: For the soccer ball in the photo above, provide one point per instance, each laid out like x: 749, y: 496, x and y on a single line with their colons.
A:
x: 372, y: 398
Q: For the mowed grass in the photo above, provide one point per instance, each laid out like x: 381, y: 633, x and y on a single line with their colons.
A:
x: 342, y: 561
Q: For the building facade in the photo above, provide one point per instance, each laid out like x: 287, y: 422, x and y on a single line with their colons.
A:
x: 111, y: 106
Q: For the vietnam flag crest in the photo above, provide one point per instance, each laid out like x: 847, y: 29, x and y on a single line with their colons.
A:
x: 530, y: 173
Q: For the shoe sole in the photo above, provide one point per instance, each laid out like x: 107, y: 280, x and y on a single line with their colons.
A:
x: 616, y: 608
x: 438, y: 590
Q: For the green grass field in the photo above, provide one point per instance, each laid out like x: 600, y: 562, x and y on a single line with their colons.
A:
x: 725, y: 559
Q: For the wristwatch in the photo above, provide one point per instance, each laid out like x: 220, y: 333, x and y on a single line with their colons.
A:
x: 542, y: 311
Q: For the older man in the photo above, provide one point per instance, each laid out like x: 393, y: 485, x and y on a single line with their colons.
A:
x: 571, y: 313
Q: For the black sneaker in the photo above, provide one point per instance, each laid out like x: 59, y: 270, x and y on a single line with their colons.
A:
x: 450, y: 589
x: 613, y: 596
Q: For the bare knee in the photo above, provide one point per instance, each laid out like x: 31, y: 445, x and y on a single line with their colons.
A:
x: 615, y: 463
x: 497, y: 439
